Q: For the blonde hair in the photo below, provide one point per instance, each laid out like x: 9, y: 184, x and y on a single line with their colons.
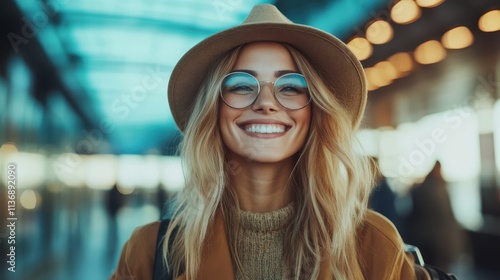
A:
x: 331, y: 182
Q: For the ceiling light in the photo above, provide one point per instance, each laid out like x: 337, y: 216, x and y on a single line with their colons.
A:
x: 29, y: 199
x: 405, y: 12
x: 387, y: 69
x: 369, y: 80
x: 361, y: 48
x: 430, y: 52
x: 429, y: 3
x: 376, y: 77
x: 371, y: 87
x: 490, y: 21
x: 379, y: 32
x: 457, y: 38
x: 402, y: 62
x: 7, y: 148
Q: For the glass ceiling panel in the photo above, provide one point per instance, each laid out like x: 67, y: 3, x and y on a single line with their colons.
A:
x: 125, y: 44
x: 120, y: 94
x: 153, y: 110
x: 198, y: 13
x: 104, y: 80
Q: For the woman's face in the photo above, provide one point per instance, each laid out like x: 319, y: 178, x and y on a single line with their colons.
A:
x: 285, y: 130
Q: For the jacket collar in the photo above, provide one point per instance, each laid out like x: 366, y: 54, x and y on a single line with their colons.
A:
x: 216, y: 260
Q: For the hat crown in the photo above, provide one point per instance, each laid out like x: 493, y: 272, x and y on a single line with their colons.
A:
x: 265, y: 13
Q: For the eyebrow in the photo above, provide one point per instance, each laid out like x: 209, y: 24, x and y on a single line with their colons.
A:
x: 276, y: 73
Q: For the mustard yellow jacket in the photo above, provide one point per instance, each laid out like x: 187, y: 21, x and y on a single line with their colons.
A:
x: 382, y: 253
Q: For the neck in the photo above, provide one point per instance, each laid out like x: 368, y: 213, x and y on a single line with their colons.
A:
x: 261, y: 187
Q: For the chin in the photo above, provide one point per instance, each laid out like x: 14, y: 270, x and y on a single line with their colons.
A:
x: 267, y: 158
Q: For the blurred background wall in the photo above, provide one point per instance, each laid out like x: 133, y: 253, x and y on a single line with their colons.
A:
x: 87, y: 137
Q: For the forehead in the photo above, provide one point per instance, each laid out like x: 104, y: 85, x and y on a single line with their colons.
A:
x: 264, y: 57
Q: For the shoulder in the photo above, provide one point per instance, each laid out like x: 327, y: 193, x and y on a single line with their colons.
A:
x: 145, y: 236
x: 377, y: 226
x: 381, y: 249
x: 138, y: 253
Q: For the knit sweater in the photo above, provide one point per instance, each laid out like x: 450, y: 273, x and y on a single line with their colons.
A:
x: 260, y: 244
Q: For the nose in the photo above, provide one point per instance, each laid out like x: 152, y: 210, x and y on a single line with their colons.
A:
x: 265, y: 100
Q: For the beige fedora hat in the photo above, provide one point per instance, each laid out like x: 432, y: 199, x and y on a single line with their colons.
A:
x: 338, y: 66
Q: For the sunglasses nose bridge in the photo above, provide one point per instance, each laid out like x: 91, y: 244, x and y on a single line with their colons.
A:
x: 265, y: 96
x: 266, y: 85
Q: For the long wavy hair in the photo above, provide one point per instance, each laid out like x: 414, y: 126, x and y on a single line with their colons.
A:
x: 331, y: 181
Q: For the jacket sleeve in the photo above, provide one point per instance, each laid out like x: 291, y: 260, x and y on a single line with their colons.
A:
x: 137, y: 256
x: 405, y: 267
x: 382, y: 250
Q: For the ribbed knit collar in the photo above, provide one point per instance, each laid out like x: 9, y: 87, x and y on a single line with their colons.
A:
x: 268, y: 221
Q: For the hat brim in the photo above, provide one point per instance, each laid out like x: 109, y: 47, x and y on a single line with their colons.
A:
x: 333, y: 60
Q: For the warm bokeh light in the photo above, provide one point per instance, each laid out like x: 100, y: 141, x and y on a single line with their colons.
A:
x: 490, y: 21
x: 370, y: 86
x: 126, y: 190
x: 430, y: 52
x: 429, y: 3
x: 369, y: 83
x: 29, y: 199
x: 381, y: 75
x: 361, y: 48
x: 376, y: 77
x: 379, y: 32
x: 6, y: 151
x: 405, y: 12
x: 402, y: 61
x: 387, y: 69
x: 457, y: 38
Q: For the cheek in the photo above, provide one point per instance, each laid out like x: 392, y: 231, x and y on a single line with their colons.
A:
x: 226, y: 117
x: 226, y: 114
x: 303, y: 118
x: 222, y: 118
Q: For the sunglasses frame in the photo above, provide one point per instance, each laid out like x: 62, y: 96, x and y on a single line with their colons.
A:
x: 263, y: 83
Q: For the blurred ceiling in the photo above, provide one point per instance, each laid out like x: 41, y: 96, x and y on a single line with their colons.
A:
x: 111, y: 60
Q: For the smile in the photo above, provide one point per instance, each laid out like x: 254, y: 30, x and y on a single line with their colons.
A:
x: 264, y: 128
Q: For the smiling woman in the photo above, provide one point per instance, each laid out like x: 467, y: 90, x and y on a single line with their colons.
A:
x: 274, y: 188
x: 264, y: 130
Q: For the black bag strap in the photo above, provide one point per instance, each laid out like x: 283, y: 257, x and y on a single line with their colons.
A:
x: 434, y: 272
x: 160, y: 270
x: 438, y: 274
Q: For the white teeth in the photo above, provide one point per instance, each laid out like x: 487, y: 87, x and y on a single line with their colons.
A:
x: 265, y: 128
